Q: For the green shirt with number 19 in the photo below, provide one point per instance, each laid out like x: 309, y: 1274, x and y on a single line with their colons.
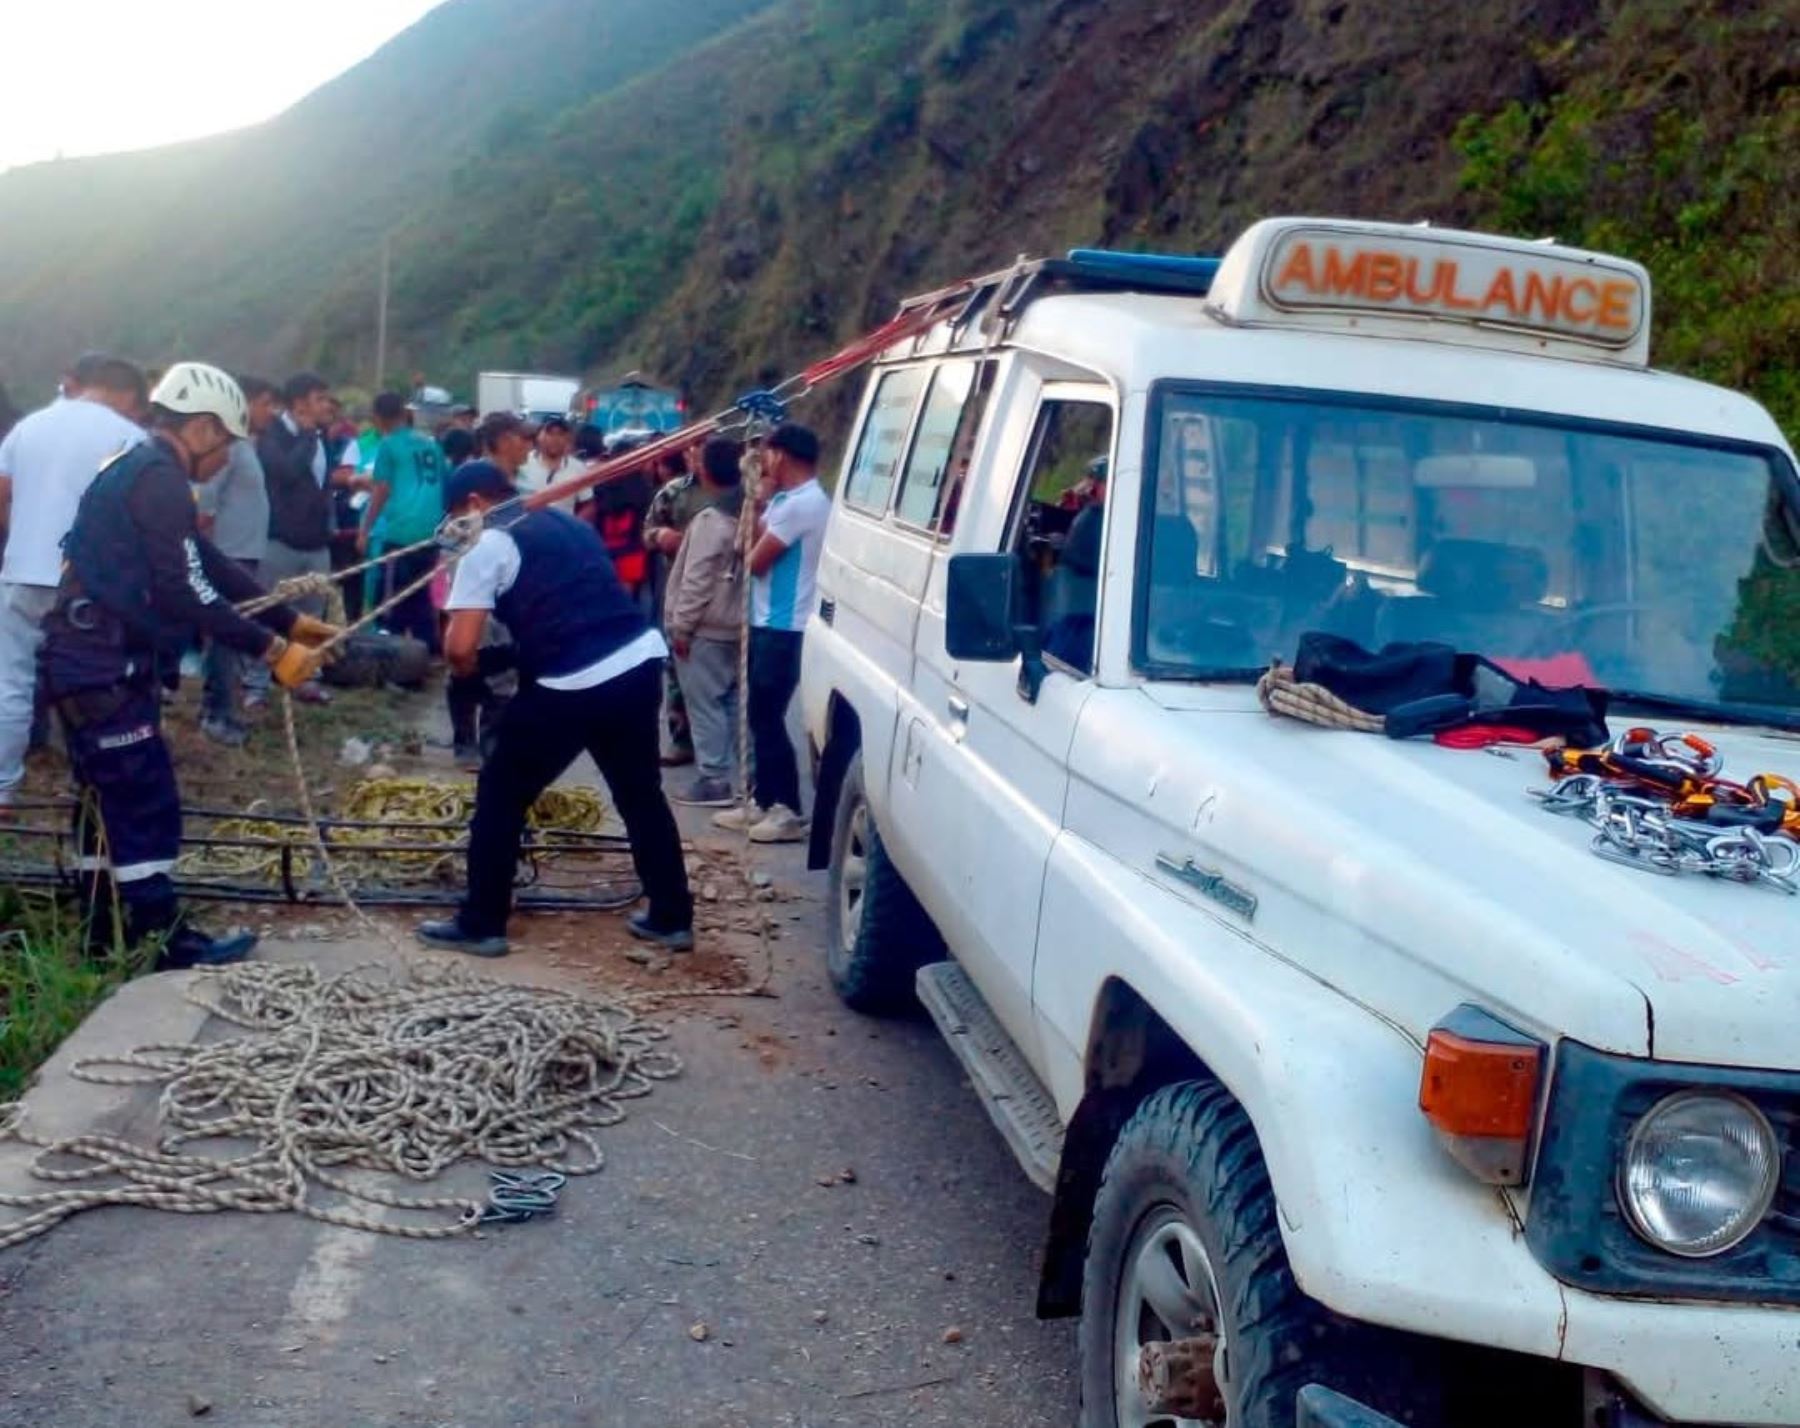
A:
x: 412, y: 467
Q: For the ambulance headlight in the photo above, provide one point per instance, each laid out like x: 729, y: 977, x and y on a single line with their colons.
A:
x: 1699, y: 1172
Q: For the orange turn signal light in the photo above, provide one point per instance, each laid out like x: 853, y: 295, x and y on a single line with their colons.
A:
x: 1479, y: 1091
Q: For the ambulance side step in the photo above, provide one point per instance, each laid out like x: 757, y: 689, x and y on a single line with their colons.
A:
x: 1014, y: 1097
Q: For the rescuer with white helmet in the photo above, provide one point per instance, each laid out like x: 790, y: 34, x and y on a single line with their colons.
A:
x: 139, y: 583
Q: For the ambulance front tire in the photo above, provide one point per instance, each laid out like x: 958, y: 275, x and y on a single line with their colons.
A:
x: 1185, y: 1226
x: 877, y: 934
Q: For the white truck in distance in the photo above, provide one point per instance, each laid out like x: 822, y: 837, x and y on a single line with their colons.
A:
x: 1206, y: 966
x: 532, y: 394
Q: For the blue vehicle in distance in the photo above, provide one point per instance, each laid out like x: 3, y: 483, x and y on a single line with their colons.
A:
x: 633, y: 409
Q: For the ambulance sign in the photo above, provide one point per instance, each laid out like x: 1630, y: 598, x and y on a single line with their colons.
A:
x: 1513, y: 285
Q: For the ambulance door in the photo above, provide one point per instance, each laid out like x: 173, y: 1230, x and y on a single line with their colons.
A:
x: 987, y: 765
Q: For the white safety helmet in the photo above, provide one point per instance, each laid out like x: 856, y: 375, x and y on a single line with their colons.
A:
x: 196, y: 389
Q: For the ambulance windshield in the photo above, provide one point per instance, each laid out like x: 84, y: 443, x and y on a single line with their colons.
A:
x: 1578, y: 555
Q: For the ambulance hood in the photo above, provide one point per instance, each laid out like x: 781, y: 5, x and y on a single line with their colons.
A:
x: 1369, y: 856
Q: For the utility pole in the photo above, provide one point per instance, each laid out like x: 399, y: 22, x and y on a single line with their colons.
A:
x: 381, y: 314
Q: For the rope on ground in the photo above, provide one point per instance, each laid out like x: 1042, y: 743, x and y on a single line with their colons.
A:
x: 404, y: 1073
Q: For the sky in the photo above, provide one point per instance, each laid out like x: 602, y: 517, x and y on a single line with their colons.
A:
x: 96, y: 76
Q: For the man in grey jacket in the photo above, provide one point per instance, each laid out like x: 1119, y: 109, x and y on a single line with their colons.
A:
x: 703, y: 617
x: 233, y: 511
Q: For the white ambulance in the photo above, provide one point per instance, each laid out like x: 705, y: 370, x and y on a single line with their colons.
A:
x: 1358, y: 1082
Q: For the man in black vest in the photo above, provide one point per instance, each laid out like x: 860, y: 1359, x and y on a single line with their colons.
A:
x: 590, y: 675
x: 138, y: 582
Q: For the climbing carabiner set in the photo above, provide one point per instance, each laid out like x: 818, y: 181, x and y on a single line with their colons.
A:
x: 1660, y: 803
x: 517, y: 1196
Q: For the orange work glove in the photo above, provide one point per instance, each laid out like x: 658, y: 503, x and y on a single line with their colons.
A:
x: 308, y: 631
x: 294, y: 664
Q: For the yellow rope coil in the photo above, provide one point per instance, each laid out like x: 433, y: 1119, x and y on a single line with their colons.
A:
x: 386, y: 800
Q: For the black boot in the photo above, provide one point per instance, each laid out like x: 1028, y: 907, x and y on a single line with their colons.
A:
x: 151, y: 910
x: 188, y: 946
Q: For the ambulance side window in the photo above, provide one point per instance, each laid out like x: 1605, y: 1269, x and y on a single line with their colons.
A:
x: 882, y: 445
x: 931, y: 490
x: 1057, y: 525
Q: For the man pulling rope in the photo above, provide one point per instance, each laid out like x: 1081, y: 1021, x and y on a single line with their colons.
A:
x: 141, y: 578
x: 590, y: 671
x: 138, y: 582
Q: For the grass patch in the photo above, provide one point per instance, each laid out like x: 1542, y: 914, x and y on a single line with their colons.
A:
x: 48, y: 981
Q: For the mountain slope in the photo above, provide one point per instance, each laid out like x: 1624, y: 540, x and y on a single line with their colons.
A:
x: 775, y: 187
x: 227, y: 244
x: 849, y: 150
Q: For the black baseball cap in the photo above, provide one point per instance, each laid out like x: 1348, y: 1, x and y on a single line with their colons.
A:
x: 476, y: 478
x: 554, y: 423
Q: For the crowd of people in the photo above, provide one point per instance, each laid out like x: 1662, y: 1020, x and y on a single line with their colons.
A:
x: 608, y: 620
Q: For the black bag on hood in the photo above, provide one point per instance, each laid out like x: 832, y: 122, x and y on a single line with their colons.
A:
x: 1377, y: 683
x: 1427, y: 688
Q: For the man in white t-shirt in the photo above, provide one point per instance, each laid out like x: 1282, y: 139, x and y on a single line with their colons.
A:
x: 551, y: 460
x: 47, y: 462
x: 784, y: 585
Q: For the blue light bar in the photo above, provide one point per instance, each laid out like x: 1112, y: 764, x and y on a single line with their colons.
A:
x: 1154, y: 269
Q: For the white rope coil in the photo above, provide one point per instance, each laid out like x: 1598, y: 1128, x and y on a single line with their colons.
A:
x: 402, y: 1073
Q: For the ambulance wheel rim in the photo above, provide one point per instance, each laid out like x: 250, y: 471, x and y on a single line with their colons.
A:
x: 853, y: 878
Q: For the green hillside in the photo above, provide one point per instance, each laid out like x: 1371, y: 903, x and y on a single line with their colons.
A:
x: 233, y: 246
x: 783, y: 186
x: 724, y: 188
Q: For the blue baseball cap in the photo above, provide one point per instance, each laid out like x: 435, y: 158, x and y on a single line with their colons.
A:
x: 476, y: 478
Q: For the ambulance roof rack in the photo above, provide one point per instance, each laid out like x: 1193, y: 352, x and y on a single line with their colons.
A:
x: 1350, y: 276
x: 1000, y: 297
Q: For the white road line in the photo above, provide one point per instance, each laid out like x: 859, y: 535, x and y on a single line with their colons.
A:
x: 323, y: 1293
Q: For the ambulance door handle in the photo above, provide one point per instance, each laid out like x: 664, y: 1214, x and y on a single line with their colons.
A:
x: 959, y: 716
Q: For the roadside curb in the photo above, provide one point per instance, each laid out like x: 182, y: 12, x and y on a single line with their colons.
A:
x: 144, y: 1010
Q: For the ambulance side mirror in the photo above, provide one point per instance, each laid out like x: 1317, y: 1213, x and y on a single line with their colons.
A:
x: 981, y: 608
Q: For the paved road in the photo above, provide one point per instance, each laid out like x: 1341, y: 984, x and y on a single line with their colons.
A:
x: 823, y: 1305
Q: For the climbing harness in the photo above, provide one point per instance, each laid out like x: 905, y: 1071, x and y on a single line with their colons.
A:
x: 1659, y: 803
x: 403, y: 1073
